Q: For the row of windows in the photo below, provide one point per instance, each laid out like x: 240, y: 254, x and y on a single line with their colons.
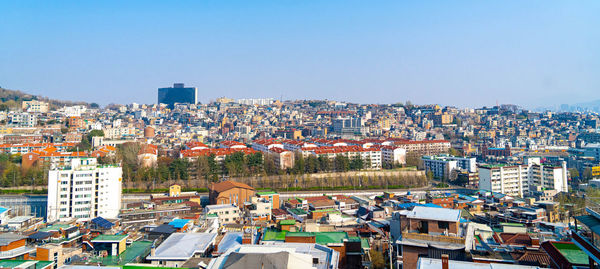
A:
x: 83, y: 189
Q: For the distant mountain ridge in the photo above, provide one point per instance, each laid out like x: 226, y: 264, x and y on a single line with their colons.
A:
x: 14, y: 98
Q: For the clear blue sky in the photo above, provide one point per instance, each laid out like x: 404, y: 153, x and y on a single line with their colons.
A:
x: 464, y: 53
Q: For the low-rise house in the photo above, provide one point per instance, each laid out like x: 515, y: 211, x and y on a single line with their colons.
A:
x: 180, y: 247
x: 14, y: 246
x: 298, y: 214
x: 258, y: 209
x: 285, y: 255
x: 227, y: 213
x: 430, y: 231
x: 279, y: 214
x: 112, y: 245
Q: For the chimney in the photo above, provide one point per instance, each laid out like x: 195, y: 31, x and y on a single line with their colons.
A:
x: 444, y: 261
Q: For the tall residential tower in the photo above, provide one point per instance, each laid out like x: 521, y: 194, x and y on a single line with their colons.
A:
x: 84, y: 190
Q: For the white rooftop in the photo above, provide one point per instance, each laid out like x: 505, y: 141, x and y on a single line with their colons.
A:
x: 217, y: 207
x: 182, y: 246
x: 434, y: 213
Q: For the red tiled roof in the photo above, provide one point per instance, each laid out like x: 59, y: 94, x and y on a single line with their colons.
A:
x: 37, y: 145
x: 196, y: 144
x: 217, y: 152
x: 227, y: 185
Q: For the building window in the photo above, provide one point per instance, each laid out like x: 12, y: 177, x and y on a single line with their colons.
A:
x: 443, y: 225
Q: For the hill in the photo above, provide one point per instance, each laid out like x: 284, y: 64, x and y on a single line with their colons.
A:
x: 13, y: 99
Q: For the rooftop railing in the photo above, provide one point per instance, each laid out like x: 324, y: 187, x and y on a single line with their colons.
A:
x: 592, y: 206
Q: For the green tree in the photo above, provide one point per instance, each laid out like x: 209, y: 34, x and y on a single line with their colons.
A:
x: 311, y: 164
x: 429, y: 175
x: 574, y: 173
x: 357, y: 163
x: 377, y: 259
x: 324, y: 164
x: 179, y: 169
x: 341, y: 163
x: 587, y: 173
x: 254, y: 162
x: 455, y: 152
x: 269, y: 165
x: 299, y: 165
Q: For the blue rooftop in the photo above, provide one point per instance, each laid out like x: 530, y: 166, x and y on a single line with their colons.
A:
x: 431, y: 205
x: 179, y: 223
x: 103, y: 223
x: 2, y: 210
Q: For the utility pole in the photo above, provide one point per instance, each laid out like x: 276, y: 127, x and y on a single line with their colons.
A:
x: 390, y: 250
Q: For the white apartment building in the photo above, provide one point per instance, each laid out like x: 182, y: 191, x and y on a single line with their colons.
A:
x: 518, y: 180
x: 35, y: 106
x: 73, y: 111
x: 226, y: 213
x: 23, y: 119
x: 120, y: 132
x: 393, y: 155
x: 265, y: 145
x: 256, y: 101
x: 512, y: 180
x: 370, y: 155
x: 442, y: 165
x: 85, y: 190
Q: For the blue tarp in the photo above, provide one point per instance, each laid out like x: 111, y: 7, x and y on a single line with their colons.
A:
x: 179, y: 223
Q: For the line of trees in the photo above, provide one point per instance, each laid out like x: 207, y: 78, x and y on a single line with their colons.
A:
x: 234, y: 165
x: 12, y: 174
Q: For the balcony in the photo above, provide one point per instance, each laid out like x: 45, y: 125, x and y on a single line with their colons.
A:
x: 433, y: 238
x: 13, y: 253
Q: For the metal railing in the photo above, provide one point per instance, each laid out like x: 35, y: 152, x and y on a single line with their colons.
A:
x: 433, y: 238
x: 15, y: 252
x: 592, y: 205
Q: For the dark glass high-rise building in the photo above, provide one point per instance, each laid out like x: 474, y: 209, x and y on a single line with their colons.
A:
x: 177, y: 94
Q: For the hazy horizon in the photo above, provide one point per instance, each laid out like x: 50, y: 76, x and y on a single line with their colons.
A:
x: 464, y: 54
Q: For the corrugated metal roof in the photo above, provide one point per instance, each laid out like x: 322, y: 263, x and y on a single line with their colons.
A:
x: 433, y: 213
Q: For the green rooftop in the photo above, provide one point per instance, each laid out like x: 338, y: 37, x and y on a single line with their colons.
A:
x: 573, y: 253
x: 274, y: 235
x: 20, y: 263
x: 132, y: 254
x: 262, y: 193
x: 287, y: 222
x: 328, y: 210
x: 109, y: 237
x: 323, y: 238
x: 512, y: 224
x: 56, y: 227
x: 300, y: 234
x: 297, y: 211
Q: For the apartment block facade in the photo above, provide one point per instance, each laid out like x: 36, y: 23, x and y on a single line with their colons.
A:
x: 84, y: 189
